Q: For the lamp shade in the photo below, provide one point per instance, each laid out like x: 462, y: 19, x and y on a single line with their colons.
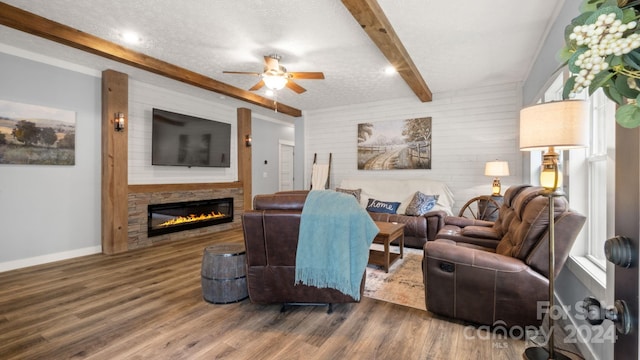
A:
x: 560, y: 124
x: 275, y: 82
x: 496, y: 168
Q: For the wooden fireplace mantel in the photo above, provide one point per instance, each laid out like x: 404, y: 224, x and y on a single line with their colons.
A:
x: 145, y: 188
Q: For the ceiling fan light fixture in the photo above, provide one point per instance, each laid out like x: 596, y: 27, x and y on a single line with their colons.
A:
x: 275, y: 76
x: 275, y: 82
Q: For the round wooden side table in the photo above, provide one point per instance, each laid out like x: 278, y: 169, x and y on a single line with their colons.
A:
x: 224, y: 278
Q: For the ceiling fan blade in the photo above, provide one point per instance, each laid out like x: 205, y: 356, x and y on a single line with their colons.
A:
x: 242, y: 72
x: 295, y: 87
x: 271, y: 63
x: 257, y: 86
x: 306, y: 75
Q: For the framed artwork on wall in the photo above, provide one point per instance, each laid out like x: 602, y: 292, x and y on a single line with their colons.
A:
x: 40, y: 135
x: 395, y: 144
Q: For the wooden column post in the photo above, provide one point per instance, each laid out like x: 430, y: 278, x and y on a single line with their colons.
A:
x: 244, y: 156
x: 115, y: 99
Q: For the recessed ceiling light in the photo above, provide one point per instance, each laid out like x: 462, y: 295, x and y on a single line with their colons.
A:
x: 390, y: 70
x: 130, y: 37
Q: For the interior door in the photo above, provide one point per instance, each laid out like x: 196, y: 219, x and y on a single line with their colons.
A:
x: 627, y: 224
x: 286, y: 166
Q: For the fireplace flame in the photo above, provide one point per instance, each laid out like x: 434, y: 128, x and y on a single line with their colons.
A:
x: 192, y: 218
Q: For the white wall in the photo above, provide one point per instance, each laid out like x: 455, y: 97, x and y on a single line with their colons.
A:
x: 266, y: 132
x: 470, y: 127
x: 142, y: 99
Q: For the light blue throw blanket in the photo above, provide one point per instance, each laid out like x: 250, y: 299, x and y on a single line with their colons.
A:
x: 333, y: 243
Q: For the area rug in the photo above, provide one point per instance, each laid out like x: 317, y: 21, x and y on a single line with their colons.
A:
x: 402, y: 285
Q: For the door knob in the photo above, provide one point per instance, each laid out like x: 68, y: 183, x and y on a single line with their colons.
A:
x: 618, y: 314
x: 619, y: 251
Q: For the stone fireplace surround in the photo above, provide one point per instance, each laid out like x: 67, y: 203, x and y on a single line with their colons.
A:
x: 140, y: 196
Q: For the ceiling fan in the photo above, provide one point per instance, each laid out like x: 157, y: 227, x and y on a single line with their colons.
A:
x: 276, y: 77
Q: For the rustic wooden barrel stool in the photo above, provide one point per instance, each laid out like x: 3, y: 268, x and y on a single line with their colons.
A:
x: 223, y: 272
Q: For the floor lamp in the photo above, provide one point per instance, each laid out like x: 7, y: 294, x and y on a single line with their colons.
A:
x: 557, y: 125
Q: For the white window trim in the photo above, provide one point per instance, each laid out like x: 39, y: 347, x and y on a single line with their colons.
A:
x: 591, y: 272
x: 592, y: 276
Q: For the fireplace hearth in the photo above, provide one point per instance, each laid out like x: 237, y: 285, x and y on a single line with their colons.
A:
x: 179, y: 216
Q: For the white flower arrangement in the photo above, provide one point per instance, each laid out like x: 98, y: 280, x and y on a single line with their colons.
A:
x: 602, y: 50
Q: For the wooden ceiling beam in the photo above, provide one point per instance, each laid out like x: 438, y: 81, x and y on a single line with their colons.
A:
x: 374, y: 22
x: 19, y: 19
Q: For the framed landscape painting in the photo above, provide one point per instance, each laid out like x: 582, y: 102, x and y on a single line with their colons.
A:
x: 32, y: 134
x: 396, y: 144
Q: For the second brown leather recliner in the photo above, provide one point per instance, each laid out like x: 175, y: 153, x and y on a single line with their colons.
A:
x: 497, y: 273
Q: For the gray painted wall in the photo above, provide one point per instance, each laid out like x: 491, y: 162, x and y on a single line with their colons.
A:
x: 265, y: 154
x: 32, y: 197
x: 547, y: 63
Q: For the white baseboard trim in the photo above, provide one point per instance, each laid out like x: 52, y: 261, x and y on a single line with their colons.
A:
x: 583, y: 344
x: 43, y: 259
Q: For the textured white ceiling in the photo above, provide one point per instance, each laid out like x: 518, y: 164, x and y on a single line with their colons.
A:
x: 454, y: 44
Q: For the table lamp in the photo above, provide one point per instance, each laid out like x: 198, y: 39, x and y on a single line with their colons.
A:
x: 555, y: 125
x: 496, y: 169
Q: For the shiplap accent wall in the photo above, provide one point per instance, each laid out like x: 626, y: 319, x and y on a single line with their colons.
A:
x: 469, y: 127
x: 143, y: 98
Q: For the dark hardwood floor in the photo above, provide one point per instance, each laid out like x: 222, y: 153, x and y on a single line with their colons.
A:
x: 147, y: 304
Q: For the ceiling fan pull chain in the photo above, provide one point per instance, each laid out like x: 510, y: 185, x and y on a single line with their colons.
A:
x: 275, y: 100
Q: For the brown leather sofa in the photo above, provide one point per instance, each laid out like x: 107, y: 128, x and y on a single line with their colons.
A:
x: 417, y: 229
x: 271, y: 239
x: 497, y: 273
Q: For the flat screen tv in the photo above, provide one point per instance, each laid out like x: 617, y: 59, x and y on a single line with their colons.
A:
x: 183, y: 140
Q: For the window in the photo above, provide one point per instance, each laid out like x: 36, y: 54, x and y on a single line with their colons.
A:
x: 600, y: 165
x: 589, y: 173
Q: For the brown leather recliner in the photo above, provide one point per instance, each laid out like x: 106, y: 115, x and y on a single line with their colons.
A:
x: 497, y: 273
x: 271, y: 239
